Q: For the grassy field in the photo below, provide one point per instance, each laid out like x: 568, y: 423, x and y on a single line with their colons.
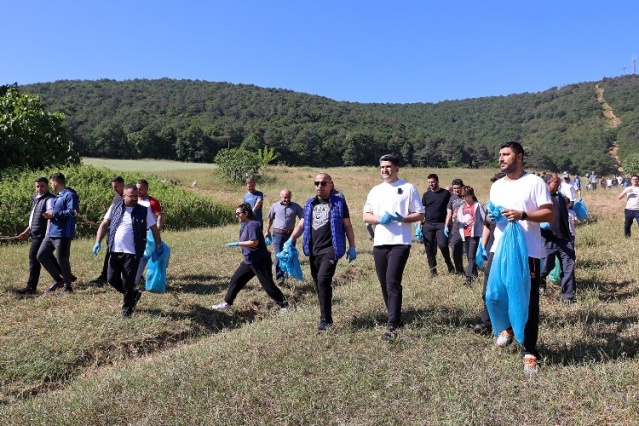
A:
x: 72, y: 360
x: 147, y: 166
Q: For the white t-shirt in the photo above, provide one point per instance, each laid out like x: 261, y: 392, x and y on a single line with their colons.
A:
x: 526, y: 193
x: 632, y: 198
x: 568, y: 190
x: 397, y: 197
x: 123, y: 240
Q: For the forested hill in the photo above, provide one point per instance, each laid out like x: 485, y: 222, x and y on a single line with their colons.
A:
x: 561, y: 128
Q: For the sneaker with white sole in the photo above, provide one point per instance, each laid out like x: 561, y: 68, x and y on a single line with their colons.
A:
x: 222, y: 307
x: 530, y: 365
x: 505, y: 338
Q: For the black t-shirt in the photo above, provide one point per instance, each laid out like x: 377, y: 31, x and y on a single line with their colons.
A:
x: 321, y: 238
x: 435, y: 203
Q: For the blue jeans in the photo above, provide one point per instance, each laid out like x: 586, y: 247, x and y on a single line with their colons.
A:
x: 278, y: 244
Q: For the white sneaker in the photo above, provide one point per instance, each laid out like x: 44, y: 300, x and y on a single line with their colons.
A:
x: 221, y: 307
x: 284, y: 311
x: 530, y: 365
x: 505, y: 338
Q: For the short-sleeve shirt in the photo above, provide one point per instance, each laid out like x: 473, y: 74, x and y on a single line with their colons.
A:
x: 283, y: 215
x: 397, y: 197
x: 632, y: 198
x: 152, y: 204
x: 454, y: 204
x: 468, y: 214
x: 435, y: 203
x: 321, y: 237
x: 525, y: 194
x: 123, y: 240
x: 252, y: 231
x: 252, y: 199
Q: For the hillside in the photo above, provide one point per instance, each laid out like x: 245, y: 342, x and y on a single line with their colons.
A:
x: 562, y: 128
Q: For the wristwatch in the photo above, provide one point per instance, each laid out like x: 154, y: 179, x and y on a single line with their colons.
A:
x: 524, y: 215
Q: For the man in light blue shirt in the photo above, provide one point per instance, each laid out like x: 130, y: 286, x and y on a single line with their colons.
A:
x: 255, y: 198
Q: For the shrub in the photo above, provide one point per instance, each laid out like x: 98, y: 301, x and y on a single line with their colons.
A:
x: 631, y: 164
x: 236, y: 164
x: 182, y: 209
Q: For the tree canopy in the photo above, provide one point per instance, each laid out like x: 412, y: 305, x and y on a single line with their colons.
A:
x: 560, y: 128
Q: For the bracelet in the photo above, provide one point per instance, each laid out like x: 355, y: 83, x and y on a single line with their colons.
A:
x: 524, y: 215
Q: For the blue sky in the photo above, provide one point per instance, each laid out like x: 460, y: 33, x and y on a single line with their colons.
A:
x: 359, y: 51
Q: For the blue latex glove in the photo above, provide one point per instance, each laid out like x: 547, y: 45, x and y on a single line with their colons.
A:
x: 544, y: 225
x: 96, y: 248
x: 494, y: 212
x: 268, y: 241
x: 484, y: 253
x: 159, y: 251
x: 233, y: 244
x: 397, y: 217
x: 386, y: 218
x: 288, y: 245
x: 351, y: 254
x: 446, y: 231
x: 419, y: 235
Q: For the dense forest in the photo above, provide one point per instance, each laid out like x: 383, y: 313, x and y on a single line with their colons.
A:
x: 561, y: 128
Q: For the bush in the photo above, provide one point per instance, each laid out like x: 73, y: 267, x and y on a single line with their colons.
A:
x: 631, y: 164
x: 236, y: 164
x: 182, y: 208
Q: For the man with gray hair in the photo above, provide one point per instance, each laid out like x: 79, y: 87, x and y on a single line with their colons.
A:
x: 281, y: 217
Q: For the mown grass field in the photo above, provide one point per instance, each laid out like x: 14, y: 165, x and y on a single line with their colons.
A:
x: 72, y: 360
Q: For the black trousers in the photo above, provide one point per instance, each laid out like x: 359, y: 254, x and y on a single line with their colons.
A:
x: 457, y: 245
x: 263, y: 270
x: 34, y: 265
x: 471, y: 244
x: 630, y: 215
x: 322, y: 270
x: 121, y: 275
x: 434, y: 237
x: 390, y: 261
x: 531, y: 330
x: 60, y: 270
x: 565, y: 251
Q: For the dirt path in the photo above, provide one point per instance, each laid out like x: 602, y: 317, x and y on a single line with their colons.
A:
x: 613, y: 122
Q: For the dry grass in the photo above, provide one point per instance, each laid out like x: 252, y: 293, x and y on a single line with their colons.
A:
x: 72, y: 360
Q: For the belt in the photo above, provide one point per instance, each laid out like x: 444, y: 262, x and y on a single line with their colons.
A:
x: 281, y: 231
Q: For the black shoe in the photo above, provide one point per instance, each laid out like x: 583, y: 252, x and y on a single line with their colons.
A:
x: 451, y: 269
x: 481, y: 328
x: 67, y: 290
x: 568, y: 301
x: 390, y: 333
x: 98, y: 282
x: 127, y: 312
x: 468, y: 281
x: 324, y: 326
x: 73, y: 278
x: 55, y: 286
x: 27, y: 290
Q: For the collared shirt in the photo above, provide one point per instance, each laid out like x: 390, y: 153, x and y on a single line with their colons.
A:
x: 283, y: 216
x: 124, y: 241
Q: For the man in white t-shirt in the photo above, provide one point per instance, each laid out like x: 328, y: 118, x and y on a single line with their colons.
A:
x: 127, y: 222
x: 631, y: 212
x: 524, y: 198
x: 568, y: 189
x: 392, y: 206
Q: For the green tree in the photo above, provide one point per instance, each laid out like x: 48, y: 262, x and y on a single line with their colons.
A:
x: 631, y: 164
x: 30, y: 136
x: 236, y: 164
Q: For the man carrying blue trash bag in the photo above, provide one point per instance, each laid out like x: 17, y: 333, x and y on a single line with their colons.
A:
x: 519, y: 202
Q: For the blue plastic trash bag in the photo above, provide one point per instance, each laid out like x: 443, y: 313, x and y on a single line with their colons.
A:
x: 289, y: 261
x: 156, y: 269
x: 555, y: 275
x: 580, y: 210
x: 419, y: 235
x: 508, y: 287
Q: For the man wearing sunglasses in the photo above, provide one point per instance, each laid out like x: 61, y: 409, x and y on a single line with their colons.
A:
x: 392, y: 206
x: 325, y: 227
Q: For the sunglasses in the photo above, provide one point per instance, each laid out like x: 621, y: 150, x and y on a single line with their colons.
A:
x: 320, y: 183
x: 239, y: 213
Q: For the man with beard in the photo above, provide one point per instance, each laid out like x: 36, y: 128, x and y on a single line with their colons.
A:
x: 127, y: 222
x: 524, y: 197
x: 392, y: 206
x: 435, y: 201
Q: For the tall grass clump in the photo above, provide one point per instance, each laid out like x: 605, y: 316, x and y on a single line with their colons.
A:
x: 182, y: 209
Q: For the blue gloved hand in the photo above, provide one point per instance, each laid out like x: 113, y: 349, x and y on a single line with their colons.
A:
x: 544, y: 225
x: 268, y: 241
x: 159, y: 251
x: 233, y: 244
x: 494, y: 212
x: 419, y: 235
x: 397, y: 217
x: 96, y: 248
x: 287, y: 245
x: 484, y: 253
x: 351, y: 254
x: 446, y: 231
x: 386, y: 218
